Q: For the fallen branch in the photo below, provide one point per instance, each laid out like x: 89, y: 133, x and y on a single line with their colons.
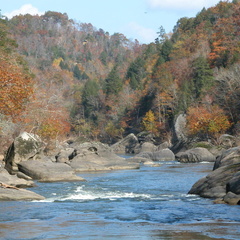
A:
x: 4, y: 185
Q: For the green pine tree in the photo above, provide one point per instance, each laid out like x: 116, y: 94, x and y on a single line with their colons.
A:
x: 113, y: 82
x: 76, y: 72
x: 202, y: 76
x: 90, y: 99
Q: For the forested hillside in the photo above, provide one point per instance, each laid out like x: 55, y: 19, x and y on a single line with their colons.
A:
x: 62, y: 78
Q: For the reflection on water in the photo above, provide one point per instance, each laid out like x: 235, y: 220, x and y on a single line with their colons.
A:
x: 150, y: 203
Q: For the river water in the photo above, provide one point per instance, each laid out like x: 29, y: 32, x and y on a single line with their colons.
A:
x: 149, y: 203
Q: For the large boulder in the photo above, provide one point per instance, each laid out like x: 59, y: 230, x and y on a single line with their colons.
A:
x: 214, y: 185
x: 194, y: 155
x: 234, y: 184
x: 10, y: 188
x: 95, y: 156
x: 180, y: 128
x: 230, y: 156
x: 148, y: 147
x: 232, y: 198
x: 161, y: 155
x: 11, y: 194
x: 224, y: 181
x: 180, y: 136
x: 65, y: 155
x: 26, y: 146
x: 14, y: 180
x: 126, y: 145
x: 227, y: 141
x: 48, y: 171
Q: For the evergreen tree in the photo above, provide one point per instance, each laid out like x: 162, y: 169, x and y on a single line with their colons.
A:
x: 202, y: 76
x: 113, y: 82
x: 166, y: 50
x: 136, y: 72
x: 103, y: 57
x: 90, y: 99
x: 63, y: 65
x: 76, y: 72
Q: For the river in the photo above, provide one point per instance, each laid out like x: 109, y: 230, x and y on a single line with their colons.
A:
x: 149, y: 203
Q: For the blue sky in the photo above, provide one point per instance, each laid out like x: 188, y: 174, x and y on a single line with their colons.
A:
x: 136, y: 19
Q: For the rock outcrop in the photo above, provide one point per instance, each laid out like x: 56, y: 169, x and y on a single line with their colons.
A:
x: 47, y: 171
x: 161, y: 155
x: 10, y: 187
x: 224, y: 181
x: 126, y: 145
x: 95, y: 156
x: 14, y: 180
x: 195, y: 155
x: 26, y: 146
x: 12, y: 194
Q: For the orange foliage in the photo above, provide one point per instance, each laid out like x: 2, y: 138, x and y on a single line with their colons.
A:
x: 207, y: 121
x: 52, y: 127
x: 15, y: 89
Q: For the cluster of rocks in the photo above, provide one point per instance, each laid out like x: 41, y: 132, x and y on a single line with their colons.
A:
x: 223, y: 183
x: 26, y: 161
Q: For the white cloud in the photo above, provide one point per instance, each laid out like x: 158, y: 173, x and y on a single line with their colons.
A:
x: 181, y: 4
x: 25, y: 9
x: 143, y: 34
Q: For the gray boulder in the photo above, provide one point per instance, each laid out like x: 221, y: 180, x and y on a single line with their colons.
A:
x: 230, y: 156
x: 194, y: 155
x: 164, y: 145
x: 180, y: 128
x: 227, y: 141
x: 232, y: 198
x: 65, y: 155
x: 95, y: 156
x: 11, y: 194
x: 148, y: 147
x: 234, y: 184
x: 26, y: 146
x: 214, y: 185
x: 224, y: 180
x: 126, y: 145
x: 15, y: 181
x: 48, y: 171
x: 162, y: 155
x: 10, y: 188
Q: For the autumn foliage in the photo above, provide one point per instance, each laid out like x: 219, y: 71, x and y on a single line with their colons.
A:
x: 15, y: 89
x: 149, y: 122
x: 94, y: 85
x: 207, y: 121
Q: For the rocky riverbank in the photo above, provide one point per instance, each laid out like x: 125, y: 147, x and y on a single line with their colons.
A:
x: 27, y: 162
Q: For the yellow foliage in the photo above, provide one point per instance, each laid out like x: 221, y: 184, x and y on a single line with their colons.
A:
x: 149, y: 121
x: 56, y: 62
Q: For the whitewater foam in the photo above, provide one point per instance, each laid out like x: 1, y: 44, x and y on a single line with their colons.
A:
x: 83, y: 194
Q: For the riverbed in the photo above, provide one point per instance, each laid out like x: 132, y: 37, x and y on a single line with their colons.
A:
x: 146, y: 203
